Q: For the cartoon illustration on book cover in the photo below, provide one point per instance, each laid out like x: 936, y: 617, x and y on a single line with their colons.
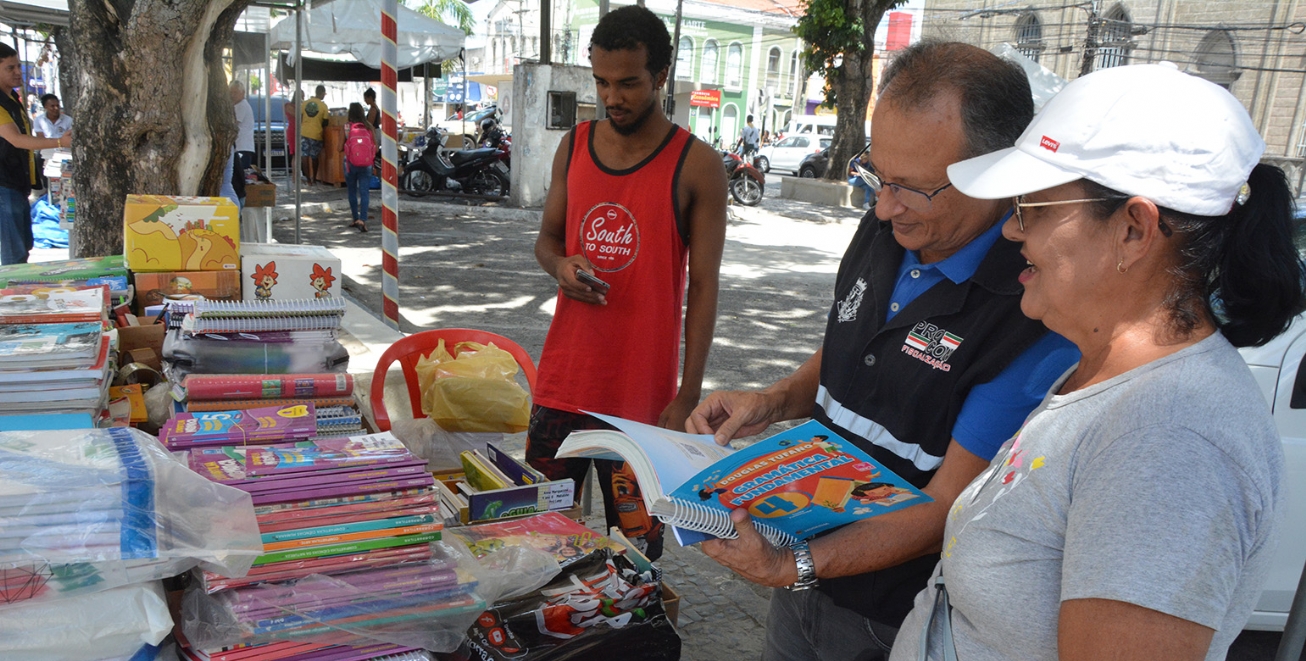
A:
x: 799, y: 475
x: 265, y: 277
x: 321, y: 280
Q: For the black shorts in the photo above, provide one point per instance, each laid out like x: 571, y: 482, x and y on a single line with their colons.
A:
x: 623, y: 502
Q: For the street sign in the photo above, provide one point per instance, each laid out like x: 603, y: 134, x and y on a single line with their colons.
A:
x: 705, y: 98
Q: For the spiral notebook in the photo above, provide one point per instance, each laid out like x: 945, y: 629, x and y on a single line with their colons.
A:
x: 260, y: 316
x: 795, y: 484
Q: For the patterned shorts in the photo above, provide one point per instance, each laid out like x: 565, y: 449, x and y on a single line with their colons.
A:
x: 623, y: 503
x: 310, y: 147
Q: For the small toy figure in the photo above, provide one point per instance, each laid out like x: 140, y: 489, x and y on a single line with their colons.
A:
x: 321, y: 280
x: 265, y: 277
x: 180, y: 285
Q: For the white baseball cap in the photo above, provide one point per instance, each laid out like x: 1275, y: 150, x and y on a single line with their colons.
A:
x: 1148, y: 130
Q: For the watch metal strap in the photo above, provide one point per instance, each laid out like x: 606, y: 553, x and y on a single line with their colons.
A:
x: 806, y: 567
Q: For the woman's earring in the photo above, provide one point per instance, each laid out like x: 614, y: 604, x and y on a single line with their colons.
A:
x: 1120, y: 266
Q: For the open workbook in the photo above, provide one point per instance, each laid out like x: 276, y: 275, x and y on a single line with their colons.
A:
x: 795, y: 484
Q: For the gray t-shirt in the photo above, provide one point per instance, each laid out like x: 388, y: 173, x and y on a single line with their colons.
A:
x: 1160, y: 487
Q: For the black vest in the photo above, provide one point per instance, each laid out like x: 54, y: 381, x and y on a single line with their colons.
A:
x: 912, y: 375
x: 15, y: 163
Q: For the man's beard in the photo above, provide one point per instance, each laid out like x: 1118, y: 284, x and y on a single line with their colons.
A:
x: 635, y: 124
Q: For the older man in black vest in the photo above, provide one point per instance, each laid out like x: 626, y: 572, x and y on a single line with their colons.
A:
x: 927, y: 363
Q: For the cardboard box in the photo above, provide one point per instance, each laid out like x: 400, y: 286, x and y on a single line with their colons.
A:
x: 153, y: 288
x: 165, y: 233
x: 671, y: 603
x: 282, y: 271
x: 260, y: 195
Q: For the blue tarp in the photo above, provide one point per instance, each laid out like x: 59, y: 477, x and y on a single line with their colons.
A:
x: 45, y: 225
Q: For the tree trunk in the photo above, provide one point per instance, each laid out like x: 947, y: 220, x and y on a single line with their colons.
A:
x: 145, y: 80
x: 853, y: 86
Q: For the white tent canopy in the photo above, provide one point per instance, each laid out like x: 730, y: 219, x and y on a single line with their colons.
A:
x: 353, y: 27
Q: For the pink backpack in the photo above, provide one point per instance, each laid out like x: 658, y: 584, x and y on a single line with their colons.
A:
x: 360, y: 150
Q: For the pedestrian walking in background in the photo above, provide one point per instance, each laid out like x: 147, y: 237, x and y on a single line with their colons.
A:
x: 312, y: 121
x: 750, y: 140
x: 18, y: 172
x: 360, y: 153
x: 244, y: 139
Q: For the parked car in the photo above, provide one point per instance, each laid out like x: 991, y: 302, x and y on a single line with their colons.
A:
x: 814, y: 165
x: 1280, y: 369
x: 461, y: 133
x: 278, y: 131
x: 788, y: 153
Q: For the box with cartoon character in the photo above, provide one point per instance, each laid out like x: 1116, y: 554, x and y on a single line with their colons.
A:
x: 153, y: 288
x: 167, y: 233
x: 284, y: 271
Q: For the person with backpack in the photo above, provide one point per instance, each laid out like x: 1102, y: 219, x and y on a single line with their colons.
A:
x: 312, y: 121
x: 360, y: 151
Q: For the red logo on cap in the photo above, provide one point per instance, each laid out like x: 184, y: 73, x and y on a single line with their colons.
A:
x: 1049, y: 144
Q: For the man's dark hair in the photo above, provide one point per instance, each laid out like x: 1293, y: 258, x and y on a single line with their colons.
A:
x: 7, y: 51
x: 750, y: 118
x: 45, y: 98
x: 320, y: 91
x: 629, y: 27
x: 369, y: 93
x: 996, y: 102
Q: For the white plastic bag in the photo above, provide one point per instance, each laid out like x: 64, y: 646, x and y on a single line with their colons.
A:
x: 88, y: 510
x: 108, y: 624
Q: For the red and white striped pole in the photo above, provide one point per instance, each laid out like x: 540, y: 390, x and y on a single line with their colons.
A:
x: 389, y: 171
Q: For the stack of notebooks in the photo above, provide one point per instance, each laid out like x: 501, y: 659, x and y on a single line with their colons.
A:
x: 346, y: 526
x: 332, y: 396
x: 55, y: 356
x: 109, y: 271
x: 234, y: 355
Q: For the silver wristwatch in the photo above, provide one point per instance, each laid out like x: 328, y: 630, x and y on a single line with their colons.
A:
x: 806, y: 568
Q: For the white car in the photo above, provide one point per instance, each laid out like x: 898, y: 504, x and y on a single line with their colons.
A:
x: 1277, y: 367
x: 788, y: 153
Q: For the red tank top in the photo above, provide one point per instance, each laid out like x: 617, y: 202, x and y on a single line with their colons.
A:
x: 622, y: 358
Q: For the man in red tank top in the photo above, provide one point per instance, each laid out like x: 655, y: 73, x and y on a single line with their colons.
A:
x: 638, y: 203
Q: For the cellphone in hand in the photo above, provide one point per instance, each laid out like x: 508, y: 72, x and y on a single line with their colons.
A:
x: 591, y: 280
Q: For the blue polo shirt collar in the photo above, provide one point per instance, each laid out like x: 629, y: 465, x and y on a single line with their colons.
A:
x: 961, y: 265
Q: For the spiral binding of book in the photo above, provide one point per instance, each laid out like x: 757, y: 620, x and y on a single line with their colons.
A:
x: 207, y: 325
x: 303, y: 307
x: 701, y: 518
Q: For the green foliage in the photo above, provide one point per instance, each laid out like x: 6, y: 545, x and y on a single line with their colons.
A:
x: 828, y: 29
x: 452, y: 12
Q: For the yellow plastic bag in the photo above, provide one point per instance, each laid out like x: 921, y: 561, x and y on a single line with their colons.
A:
x: 475, y: 392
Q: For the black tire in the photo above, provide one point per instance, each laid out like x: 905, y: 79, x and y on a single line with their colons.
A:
x: 746, y: 190
x: 469, y: 142
x: 808, y: 172
x: 488, y: 182
x: 418, y: 180
x: 762, y: 164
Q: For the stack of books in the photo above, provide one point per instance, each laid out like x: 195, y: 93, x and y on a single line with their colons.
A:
x: 346, y: 525
x: 55, y: 357
x: 233, y: 355
x: 332, y: 396
x: 90, y: 520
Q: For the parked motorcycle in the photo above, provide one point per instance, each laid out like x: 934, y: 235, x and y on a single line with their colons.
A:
x: 431, y: 168
x: 745, y: 182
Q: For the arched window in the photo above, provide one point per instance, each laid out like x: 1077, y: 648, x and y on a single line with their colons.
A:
x: 773, y: 70
x: 735, y: 65
x: 1029, y: 36
x: 1217, y: 60
x: 793, y: 66
x: 708, y: 74
x: 685, y: 59
x: 1113, y: 39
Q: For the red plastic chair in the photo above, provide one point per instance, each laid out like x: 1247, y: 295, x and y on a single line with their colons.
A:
x: 408, y: 350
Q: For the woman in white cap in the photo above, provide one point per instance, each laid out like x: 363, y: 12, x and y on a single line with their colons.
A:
x: 1135, y: 513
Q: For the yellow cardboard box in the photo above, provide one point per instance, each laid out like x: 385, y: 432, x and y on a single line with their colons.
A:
x: 168, y: 233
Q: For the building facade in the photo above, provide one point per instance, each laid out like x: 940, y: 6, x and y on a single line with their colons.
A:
x: 1253, y: 48
x: 735, y: 57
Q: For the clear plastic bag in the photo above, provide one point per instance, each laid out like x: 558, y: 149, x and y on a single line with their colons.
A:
x: 87, y: 510
x: 106, y: 625
x: 440, y: 448
x: 475, y: 392
x: 428, y: 604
